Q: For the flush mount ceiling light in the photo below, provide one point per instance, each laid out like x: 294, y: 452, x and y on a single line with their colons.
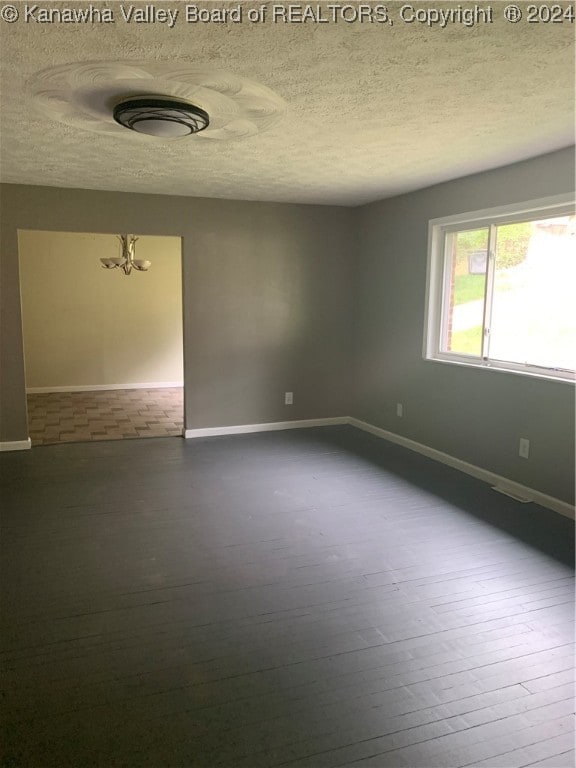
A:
x: 156, y: 100
x: 165, y: 118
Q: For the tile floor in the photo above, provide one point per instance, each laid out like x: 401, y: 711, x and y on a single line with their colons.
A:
x: 69, y: 417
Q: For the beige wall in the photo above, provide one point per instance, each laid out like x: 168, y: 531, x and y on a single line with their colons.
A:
x: 86, y: 326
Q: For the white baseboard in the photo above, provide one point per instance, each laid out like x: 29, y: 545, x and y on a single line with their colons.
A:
x: 503, y: 484
x: 521, y: 493
x: 98, y: 387
x: 511, y: 488
x: 272, y: 426
x: 16, y: 445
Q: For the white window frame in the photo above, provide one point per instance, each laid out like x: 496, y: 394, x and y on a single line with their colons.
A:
x: 489, y: 218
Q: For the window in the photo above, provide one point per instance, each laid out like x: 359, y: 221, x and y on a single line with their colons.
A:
x: 502, y: 289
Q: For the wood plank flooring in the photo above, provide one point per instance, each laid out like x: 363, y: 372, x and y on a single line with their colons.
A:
x: 309, y: 598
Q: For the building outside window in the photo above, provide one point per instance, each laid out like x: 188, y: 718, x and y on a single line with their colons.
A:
x: 502, y: 289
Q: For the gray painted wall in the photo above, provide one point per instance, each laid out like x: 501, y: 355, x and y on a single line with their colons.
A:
x: 307, y: 298
x: 267, y: 300
x: 475, y: 415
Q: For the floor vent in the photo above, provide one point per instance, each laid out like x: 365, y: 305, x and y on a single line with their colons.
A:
x: 506, y: 492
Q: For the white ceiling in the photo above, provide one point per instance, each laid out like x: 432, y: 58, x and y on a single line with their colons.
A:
x: 372, y: 110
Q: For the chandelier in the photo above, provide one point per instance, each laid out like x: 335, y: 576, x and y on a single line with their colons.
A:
x: 126, y: 260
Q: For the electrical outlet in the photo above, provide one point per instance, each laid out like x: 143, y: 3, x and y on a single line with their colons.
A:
x: 399, y: 410
x: 524, y: 449
x: 288, y: 398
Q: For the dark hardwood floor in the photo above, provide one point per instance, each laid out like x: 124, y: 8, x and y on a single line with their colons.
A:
x: 308, y: 598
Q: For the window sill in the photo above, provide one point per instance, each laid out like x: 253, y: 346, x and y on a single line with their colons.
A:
x: 553, y: 376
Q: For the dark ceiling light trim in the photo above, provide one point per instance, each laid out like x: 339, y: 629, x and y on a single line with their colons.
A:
x: 164, y: 118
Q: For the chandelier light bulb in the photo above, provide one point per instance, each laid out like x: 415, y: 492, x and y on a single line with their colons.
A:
x: 126, y: 261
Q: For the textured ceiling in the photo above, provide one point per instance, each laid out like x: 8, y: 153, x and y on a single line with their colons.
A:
x: 373, y: 110
x: 84, y: 95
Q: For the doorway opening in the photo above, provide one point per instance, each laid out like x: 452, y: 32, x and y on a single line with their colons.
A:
x: 103, y: 350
